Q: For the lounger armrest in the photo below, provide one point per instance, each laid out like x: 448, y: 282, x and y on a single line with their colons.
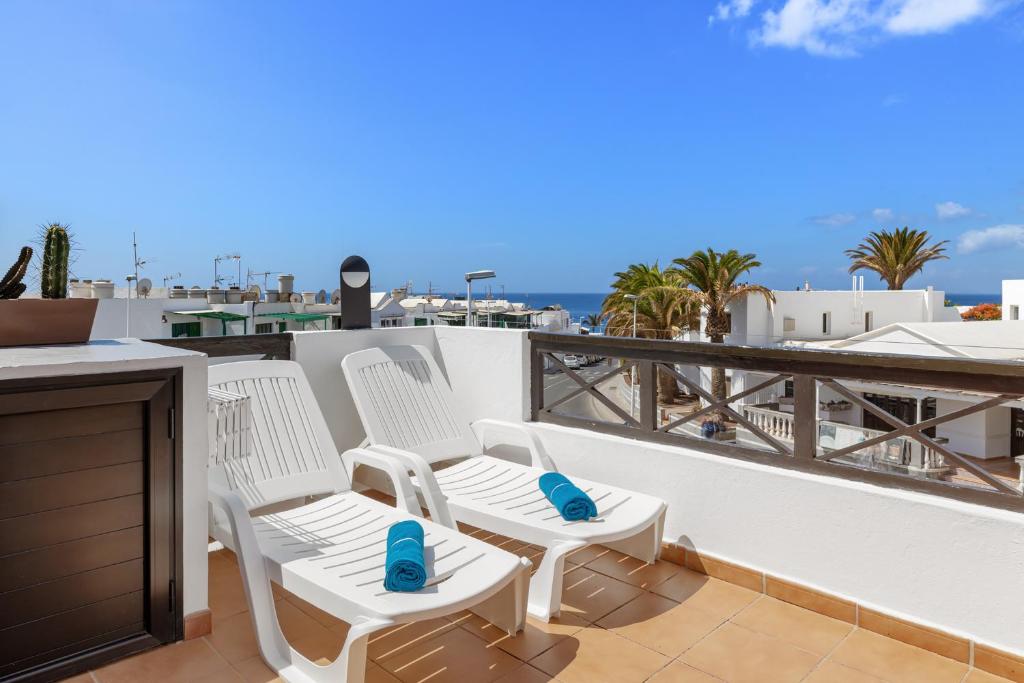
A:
x: 524, y: 437
x: 437, y: 504
x: 405, y: 493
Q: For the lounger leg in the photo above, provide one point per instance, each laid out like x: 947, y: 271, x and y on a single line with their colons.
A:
x: 546, y: 584
x: 507, y: 608
x: 646, y: 545
x: 349, y: 667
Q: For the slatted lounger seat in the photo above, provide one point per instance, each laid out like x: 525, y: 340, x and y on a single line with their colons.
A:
x: 269, y: 443
x: 408, y: 411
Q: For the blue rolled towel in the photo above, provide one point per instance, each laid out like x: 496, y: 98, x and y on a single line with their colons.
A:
x: 570, y: 501
x: 404, y: 569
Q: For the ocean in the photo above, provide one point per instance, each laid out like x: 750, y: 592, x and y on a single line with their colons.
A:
x: 586, y: 303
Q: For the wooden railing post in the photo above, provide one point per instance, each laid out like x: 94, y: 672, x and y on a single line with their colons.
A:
x: 536, y: 381
x: 648, y: 378
x: 805, y: 417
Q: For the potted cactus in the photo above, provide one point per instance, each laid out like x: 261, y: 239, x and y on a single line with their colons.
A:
x: 53, y: 318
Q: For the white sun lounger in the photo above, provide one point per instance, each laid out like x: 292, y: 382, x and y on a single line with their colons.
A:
x: 269, y: 443
x: 408, y: 411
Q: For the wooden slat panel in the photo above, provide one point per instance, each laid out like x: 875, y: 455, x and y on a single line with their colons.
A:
x: 39, y: 459
x: 27, y: 640
x: 56, y: 561
x: 95, y: 651
x: 26, y: 532
x: 37, y: 400
x: 56, y: 424
x: 70, y: 592
x: 277, y: 346
x: 29, y: 496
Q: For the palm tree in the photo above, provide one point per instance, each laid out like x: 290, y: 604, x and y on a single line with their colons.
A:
x: 712, y: 276
x: 896, y: 256
x: 664, y: 308
x: 593, y: 320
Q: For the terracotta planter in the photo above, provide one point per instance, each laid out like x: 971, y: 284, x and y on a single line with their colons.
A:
x: 35, y: 322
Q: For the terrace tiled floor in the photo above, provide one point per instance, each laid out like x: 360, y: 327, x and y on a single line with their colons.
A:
x: 621, y: 622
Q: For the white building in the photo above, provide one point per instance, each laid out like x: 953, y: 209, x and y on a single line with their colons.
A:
x: 1013, y: 299
x: 826, y: 315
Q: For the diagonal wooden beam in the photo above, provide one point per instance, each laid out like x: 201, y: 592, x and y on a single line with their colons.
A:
x: 579, y: 390
x: 629, y: 419
x: 722, y: 405
x: 908, y: 429
x: 707, y: 409
x: 902, y: 428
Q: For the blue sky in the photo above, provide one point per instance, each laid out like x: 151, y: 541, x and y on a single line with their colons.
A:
x: 553, y: 142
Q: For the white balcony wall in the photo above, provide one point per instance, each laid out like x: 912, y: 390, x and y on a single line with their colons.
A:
x: 488, y: 369
x: 928, y: 559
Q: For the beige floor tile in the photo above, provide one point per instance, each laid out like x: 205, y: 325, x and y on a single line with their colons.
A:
x: 595, y: 655
x: 525, y: 674
x: 739, y: 655
x: 979, y: 676
x: 705, y: 593
x: 227, y: 596
x: 586, y: 554
x: 176, y: 663
x: 807, y: 630
x: 227, y: 675
x: 254, y: 670
x: 392, y: 641
x: 453, y: 657
x: 892, y: 660
x: 661, y: 624
x: 322, y: 617
x: 590, y: 595
x: 677, y: 672
x: 633, y: 571
x: 830, y: 672
x: 80, y: 678
x: 537, y: 637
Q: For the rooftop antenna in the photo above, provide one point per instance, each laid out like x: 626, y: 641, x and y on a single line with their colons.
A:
x: 252, y: 273
x: 170, y: 278
x: 226, y: 257
x: 139, y: 263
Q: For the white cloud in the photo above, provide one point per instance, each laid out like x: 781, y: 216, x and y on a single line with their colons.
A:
x: 731, y: 9
x: 841, y: 28
x: 935, y: 16
x: 988, y: 239
x: 893, y: 100
x: 882, y: 215
x: 947, y: 211
x: 834, y: 220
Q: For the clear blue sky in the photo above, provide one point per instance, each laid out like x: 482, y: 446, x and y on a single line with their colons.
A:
x: 555, y: 142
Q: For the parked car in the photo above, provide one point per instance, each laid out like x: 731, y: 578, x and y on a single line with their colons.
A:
x: 572, y: 362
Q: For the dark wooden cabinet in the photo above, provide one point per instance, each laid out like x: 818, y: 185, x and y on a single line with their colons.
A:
x: 90, y: 520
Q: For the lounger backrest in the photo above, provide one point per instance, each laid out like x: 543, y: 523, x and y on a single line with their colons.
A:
x: 290, y: 453
x: 404, y: 401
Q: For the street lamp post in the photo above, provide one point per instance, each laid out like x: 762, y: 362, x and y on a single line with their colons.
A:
x: 632, y: 370
x: 475, y: 275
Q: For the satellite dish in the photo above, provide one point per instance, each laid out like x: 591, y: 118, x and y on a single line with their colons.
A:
x: 295, y: 298
x: 336, y: 296
x: 321, y: 296
x: 252, y: 294
x: 144, y: 287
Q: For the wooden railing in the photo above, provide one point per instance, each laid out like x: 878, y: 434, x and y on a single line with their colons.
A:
x: 269, y: 346
x: 991, y: 383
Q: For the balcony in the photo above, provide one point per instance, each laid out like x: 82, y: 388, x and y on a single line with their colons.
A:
x: 780, y: 562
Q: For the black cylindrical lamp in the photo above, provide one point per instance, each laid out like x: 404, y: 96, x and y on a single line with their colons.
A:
x: 355, y: 294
